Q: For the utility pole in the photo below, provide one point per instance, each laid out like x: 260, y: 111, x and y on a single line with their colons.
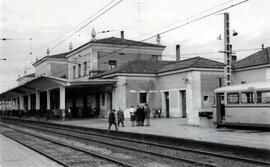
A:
x: 227, y: 51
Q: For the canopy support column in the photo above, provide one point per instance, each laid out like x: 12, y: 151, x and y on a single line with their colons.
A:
x: 37, y: 101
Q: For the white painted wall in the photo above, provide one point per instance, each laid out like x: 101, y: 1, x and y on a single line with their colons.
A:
x: 41, y: 69
x: 251, y: 76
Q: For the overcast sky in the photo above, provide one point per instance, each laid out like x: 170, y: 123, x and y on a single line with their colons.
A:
x: 46, y: 20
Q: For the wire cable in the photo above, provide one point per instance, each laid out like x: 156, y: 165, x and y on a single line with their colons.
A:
x: 86, y: 24
x: 60, y: 37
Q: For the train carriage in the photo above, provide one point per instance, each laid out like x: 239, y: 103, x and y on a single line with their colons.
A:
x: 245, y: 105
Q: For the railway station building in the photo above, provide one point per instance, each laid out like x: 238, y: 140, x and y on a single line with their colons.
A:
x: 112, y: 73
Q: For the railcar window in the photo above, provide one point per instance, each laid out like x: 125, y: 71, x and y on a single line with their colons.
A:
x: 263, y: 97
x: 247, y: 97
x: 233, y: 98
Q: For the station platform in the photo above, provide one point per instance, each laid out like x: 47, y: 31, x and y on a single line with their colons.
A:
x: 176, y: 127
x: 13, y: 154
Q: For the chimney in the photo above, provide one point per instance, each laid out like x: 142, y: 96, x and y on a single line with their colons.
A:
x: 262, y: 46
x: 122, y: 35
x: 177, y: 52
x: 234, y: 59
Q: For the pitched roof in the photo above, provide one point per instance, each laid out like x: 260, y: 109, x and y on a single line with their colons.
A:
x: 138, y: 67
x: 60, y: 56
x: 261, y: 57
x: 197, y: 62
x: 154, y: 67
x: 120, y: 41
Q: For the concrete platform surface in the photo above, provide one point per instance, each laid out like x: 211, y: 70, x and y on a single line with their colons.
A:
x: 13, y: 154
x: 176, y: 127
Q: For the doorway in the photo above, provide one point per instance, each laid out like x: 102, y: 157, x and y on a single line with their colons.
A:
x: 183, y: 103
x: 167, y: 104
x: 220, y: 107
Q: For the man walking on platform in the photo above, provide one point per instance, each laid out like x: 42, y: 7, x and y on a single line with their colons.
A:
x: 120, y: 117
x: 112, y: 121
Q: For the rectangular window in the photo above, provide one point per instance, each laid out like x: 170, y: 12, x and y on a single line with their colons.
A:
x: 112, y: 64
x: 79, y: 70
x: 74, y: 72
x: 247, y: 97
x: 143, y: 97
x: 263, y: 97
x: 205, y: 98
x: 154, y: 57
x: 233, y: 98
x: 85, y: 69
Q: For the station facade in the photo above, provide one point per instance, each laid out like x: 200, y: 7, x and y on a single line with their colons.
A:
x: 112, y: 73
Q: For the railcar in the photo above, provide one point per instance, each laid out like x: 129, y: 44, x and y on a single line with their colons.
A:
x: 245, y: 105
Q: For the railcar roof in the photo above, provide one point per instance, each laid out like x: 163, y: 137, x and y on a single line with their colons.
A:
x: 244, y: 87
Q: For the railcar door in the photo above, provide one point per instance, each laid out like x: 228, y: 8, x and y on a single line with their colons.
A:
x: 220, y: 107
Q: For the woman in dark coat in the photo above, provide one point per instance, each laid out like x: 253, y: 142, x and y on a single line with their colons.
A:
x: 137, y: 115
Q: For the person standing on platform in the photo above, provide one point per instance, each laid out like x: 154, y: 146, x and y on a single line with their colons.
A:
x: 142, y: 115
x: 120, y: 117
x: 132, y: 115
x: 147, y: 114
x: 112, y: 121
x: 137, y: 115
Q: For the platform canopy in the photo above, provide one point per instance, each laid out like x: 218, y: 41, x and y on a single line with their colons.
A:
x: 44, y: 83
x: 261, y: 86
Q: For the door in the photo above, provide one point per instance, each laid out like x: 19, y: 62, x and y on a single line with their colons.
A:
x: 184, y: 104
x: 25, y: 103
x: 167, y: 104
x: 220, y: 107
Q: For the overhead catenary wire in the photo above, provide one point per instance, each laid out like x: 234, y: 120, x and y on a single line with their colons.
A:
x: 86, y: 24
x: 108, y: 4
x: 192, y: 16
x: 72, y: 29
x: 164, y: 32
x: 182, y: 25
x: 172, y: 29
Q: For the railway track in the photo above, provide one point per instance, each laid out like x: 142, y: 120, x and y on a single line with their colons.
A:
x: 142, y: 161
x: 60, y: 152
x: 177, y: 153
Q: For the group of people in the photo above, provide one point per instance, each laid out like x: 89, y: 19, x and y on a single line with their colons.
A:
x: 137, y: 116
